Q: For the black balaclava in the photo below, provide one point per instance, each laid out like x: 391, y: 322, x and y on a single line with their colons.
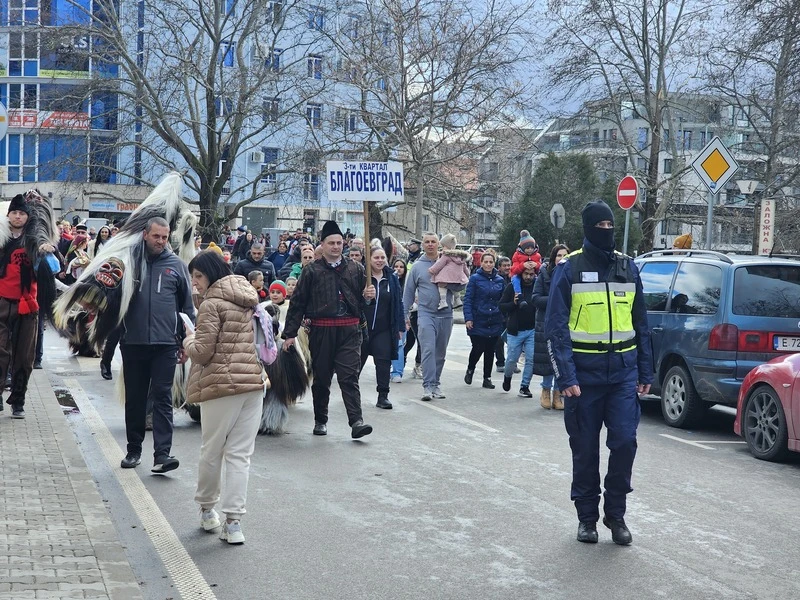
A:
x: 592, y: 214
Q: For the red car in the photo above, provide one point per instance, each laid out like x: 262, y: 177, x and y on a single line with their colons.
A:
x: 768, y: 411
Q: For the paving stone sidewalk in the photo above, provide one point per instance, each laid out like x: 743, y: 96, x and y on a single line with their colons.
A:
x: 56, y: 536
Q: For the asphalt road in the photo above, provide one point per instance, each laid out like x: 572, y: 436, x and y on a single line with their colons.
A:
x: 464, y: 497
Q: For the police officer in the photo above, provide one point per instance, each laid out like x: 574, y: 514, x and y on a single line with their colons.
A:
x: 599, y: 343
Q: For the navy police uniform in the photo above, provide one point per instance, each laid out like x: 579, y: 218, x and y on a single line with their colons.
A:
x: 598, y: 339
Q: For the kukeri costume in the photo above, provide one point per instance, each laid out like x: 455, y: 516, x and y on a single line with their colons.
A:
x: 26, y: 290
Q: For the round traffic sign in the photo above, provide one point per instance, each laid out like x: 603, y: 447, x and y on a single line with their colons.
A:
x: 627, y: 192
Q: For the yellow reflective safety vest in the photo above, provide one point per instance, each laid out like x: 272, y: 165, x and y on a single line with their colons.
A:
x: 600, y: 318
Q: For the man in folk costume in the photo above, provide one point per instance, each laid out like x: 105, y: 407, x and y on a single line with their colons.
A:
x: 137, y: 283
x: 331, y: 293
x: 26, y: 236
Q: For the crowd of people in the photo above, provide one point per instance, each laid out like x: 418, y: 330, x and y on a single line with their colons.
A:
x: 512, y: 307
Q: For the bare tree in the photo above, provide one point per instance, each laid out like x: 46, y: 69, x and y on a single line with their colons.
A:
x: 756, y: 63
x: 200, y: 84
x: 426, y: 76
x: 628, y: 57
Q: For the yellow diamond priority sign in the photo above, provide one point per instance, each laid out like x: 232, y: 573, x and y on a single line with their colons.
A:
x: 715, y: 165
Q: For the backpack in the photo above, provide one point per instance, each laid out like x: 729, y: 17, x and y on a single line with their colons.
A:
x: 264, y: 336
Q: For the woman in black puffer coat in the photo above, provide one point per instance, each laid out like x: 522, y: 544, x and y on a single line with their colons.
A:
x: 541, y: 359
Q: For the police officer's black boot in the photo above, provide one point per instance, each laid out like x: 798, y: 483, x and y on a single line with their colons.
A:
x: 587, y: 532
x: 619, y: 531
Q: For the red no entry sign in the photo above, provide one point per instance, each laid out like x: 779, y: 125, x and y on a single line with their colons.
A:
x: 627, y: 192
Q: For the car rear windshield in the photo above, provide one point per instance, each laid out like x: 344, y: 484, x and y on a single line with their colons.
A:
x: 767, y: 291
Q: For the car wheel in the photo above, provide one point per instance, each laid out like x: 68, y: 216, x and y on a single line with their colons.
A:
x: 194, y: 411
x: 680, y: 404
x: 764, y: 425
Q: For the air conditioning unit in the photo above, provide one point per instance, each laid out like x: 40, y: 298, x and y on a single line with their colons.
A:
x: 337, y: 215
x: 257, y: 157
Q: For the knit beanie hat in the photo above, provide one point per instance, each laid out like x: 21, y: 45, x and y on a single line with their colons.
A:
x: 214, y: 247
x: 278, y: 285
x: 683, y: 242
x: 526, y: 240
x: 594, y: 212
x: 449, y: 241
x: 329, y: 228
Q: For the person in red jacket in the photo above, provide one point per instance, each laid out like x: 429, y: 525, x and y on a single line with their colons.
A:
x: 527, y: 251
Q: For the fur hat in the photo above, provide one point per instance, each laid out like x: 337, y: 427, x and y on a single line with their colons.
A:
x: 330, y: 228
x: 526, y: 240
x: 683, y: 242
x: 18, y: 202
x: 278, y: 285
x: 449, y: 241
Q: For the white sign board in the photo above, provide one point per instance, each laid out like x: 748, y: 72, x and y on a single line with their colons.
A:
x: 715, y: 165
x: 364, y: 181
x: 766, y: 230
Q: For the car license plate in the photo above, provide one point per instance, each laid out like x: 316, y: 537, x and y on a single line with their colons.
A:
x: 786, y: 343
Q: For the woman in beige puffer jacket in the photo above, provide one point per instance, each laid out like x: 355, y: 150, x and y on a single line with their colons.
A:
x: 227, y: 379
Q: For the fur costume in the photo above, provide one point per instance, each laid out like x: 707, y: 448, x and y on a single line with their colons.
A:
x: 289, y: 377
x: 107, y: 284
x: 40, y: 229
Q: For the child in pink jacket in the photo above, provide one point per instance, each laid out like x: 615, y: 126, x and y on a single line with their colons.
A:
x: 451, y: 268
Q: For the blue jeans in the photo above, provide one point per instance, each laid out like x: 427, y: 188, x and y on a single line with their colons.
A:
x: 547, y: 382
x: 516, y: 344
x: 399, y: 365
x: 516, y: 281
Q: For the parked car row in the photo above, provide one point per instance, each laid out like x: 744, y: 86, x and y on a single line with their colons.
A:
x: 716, y: 319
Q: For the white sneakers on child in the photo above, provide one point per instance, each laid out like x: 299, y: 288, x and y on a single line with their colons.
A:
x: 232, y: 533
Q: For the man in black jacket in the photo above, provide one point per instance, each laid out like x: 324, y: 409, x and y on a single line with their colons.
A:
x: 332, y: 293
x: 255, y: 261
x: 520, y: 326
x: 150, y: 347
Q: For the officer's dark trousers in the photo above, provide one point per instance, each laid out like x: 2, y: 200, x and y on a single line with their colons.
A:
x: 618, y: 407
x: 148, y: 372
x: 336, y: 349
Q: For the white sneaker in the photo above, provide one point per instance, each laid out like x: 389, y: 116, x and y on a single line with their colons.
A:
x: 209, y: 519
x: 417, y: 371
x: 427, y: 395
x: 397, y: 379
x: 232, y: 533
x: 442, y: 305
x: 437, y: 393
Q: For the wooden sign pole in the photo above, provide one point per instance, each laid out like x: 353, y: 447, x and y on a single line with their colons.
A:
x: 367, y: 261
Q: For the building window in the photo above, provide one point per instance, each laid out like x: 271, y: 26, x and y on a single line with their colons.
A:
x: 665, y: 137
x: 272, y: 110
x: 273, y: 61
x: 667, y: 166
x: 23, y: 54
x: 21, y: 12
x: 347, y: 119
x: 270, y: 165
x: 641, y: 164
x: 227, y: 52
x: 223, y: 106
x: 642, y: 139
x: 612, y: 135
x: 311, y: 187
x: 670, y: 227
x: 314, y: 115
x: 380, y: 84
x: 274, y: 10
x: 230, y: 8
x: 314, y: 64
x: 353, y: 24
x: 316, y: 18
x: 687, y: 139
x: 21, y: 157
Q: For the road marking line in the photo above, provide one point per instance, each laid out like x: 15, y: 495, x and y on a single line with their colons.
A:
x: 456, y: 416
x: 722, y: 442
x: 188, y: 580
x: 689, y: 442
